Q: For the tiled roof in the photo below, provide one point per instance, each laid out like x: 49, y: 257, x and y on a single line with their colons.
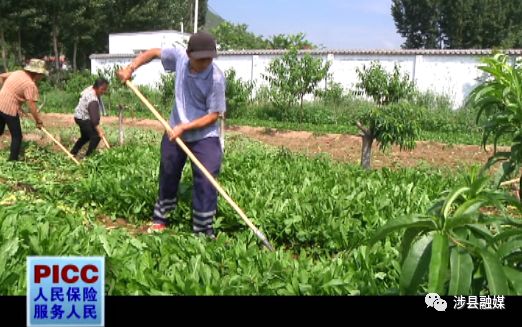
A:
x: 112, y: 55
x: 439, y: 52
x: 395, y: 52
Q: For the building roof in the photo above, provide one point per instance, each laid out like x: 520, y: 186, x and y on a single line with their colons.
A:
x: 393, y: 52
x: 439, y: 52
x: 152, y: 32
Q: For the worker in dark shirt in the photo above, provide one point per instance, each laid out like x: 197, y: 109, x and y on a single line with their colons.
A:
x: 87, y: 116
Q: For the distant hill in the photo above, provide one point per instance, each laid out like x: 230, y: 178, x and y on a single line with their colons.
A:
x: 212, y: 20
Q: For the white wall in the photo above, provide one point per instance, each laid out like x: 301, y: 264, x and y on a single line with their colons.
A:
x: 449, y: 75
x: 134, y: 42
x: 146, y: 75
x: 344, y: 67
x: 450, y: 72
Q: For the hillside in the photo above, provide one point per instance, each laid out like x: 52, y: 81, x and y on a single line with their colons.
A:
x: 212, y: 20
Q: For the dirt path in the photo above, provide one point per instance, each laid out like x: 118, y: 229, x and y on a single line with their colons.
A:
x: 345, y: 148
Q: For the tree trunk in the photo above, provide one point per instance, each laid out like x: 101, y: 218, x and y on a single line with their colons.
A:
x: 4, y: 50
x: 520, y: 189
x: 366, y: 154
x: 20, y: 58
x: 302, y: 110
x: 121, y: 134
x: 110, y: 100
x: 60, y: 51
x: 191, y: 16
x: 55, y: 47
x: 367, y: 136
x: 75, y: 52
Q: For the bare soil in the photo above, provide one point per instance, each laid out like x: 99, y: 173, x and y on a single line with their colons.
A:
x: 340, y: 147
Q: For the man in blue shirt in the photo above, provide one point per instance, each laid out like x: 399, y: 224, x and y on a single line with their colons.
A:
x: 200, y: 100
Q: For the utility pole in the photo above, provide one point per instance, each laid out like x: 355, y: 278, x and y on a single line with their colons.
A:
x: 196, y: 16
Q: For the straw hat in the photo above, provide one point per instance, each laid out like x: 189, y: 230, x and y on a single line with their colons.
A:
x: 36, y: 66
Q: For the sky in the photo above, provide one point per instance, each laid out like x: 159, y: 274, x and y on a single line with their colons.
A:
x: 334, y: 24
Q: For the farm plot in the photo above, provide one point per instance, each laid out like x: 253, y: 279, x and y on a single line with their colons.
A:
x: 319, y: 215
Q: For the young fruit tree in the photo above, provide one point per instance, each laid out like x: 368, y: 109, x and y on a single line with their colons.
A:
x: 292, y: 76
x: 392, y: 121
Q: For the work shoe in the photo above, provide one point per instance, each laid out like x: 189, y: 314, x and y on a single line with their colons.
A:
x: 208, y: 233
x: 156, y: 228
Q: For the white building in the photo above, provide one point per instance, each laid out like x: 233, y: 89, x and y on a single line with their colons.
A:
x: 447, y: 72
x: 135, y: 42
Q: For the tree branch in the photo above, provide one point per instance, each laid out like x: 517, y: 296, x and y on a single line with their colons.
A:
x: 362, y: 128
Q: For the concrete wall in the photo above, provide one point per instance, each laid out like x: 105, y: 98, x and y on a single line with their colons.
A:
x: 447, y: 72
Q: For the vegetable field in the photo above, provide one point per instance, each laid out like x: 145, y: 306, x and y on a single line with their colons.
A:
x: 319, y: 214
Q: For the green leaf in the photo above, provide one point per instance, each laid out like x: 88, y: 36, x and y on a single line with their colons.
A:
x: 496, y: 158
x: 497, y: 282
x: 469, y: 207
x: 9, y: 248
x: 481, y: 231
x: 105, y: 243
x: 515, y: 279
x: 35, y: 244
x: 509, y: 248
x: 438, y: 264
x: 333, y: 283
x: 409, y: 236
x: 504, y: 221
x: 138, y: 244
x: 462, y: 220
x: 415, y: 265
x: 510, y: 232
x: 403, y: 222
x: 461, y: 267
x: 449, y: 201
